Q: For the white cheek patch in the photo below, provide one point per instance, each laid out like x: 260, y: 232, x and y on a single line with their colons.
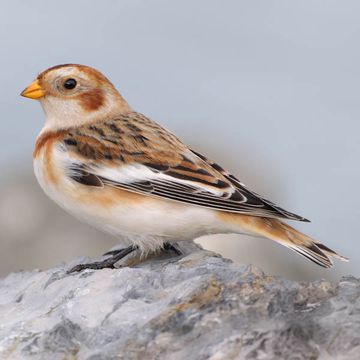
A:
x: 60, y: 112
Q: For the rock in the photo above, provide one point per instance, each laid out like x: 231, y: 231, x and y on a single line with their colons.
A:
x: 197, y: 306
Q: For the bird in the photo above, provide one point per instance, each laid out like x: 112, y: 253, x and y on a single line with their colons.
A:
x: 125, y: 174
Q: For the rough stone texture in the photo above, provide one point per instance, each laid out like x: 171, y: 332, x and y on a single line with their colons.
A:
x: 198, y: 306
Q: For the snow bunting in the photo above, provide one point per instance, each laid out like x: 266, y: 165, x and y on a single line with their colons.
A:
x: 125, y: 174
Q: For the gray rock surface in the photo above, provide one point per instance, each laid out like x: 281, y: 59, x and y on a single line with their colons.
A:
x: 197, y: 306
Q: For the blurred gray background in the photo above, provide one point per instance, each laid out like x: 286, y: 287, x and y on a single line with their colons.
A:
x: 269, y: 89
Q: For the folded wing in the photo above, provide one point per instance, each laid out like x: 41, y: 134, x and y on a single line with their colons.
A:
x: 134, y: 153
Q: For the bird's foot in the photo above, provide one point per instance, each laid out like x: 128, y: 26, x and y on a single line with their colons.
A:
x: 119, y: 254
x: 108, y: 263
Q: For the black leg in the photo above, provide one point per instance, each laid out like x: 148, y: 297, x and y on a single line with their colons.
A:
x: 113, y: 252
x: 170, y: 247
x: 107, y: 263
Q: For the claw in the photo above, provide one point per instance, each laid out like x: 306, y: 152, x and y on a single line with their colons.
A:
x: 107, y: 263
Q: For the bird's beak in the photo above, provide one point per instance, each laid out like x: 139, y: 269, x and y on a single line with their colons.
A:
x: 34, y: 91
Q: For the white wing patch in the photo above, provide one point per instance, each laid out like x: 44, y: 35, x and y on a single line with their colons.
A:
x: 134, y: 173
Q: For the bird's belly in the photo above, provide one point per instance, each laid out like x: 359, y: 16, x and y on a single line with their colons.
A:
x: 125, y: 213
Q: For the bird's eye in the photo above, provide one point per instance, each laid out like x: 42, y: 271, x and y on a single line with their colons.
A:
x: 70, y: 84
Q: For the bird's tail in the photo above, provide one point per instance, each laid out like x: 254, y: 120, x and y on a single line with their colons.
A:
x: 286, y: 235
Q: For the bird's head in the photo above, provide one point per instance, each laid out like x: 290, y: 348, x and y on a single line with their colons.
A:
x: 72, y: 95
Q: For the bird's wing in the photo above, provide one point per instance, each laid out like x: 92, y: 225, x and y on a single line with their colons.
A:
x: 134, y: 153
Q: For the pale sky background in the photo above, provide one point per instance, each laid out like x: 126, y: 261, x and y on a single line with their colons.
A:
x: 269, y: 89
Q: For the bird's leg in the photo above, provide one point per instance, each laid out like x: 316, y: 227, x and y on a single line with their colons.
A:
x: 166, y: 247
x: 170, y: 247
x: 113, y: 252
x: 109, y: 263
